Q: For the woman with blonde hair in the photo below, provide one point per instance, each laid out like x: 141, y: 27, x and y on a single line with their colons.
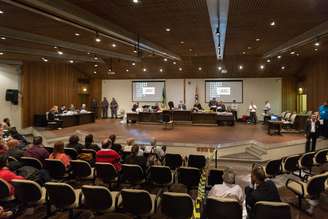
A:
x: 59, y: 154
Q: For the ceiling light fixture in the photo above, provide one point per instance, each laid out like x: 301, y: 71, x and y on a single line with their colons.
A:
x: 76, y: 34
x: 279, y: 56
x: 60, y: 52
x: 268, y: 60
x: 1, y: 12
x: 127, y: 70
x: 144, y: 69
x: 244, y: 52
x: 71, y: 61
x: 181, y: 42
x: 257, y: 39
x: 161, y: 70
x: 165, y: 59
x: 97, y: 39
x: 283, y: 67
x: 292, y: 52
x: 55, y: 47
x: 3, y: 38
x: 180, y: 69
x: 219, y: 68
x: 317, y: 43
x: 133, y: 63
x: 199, y: 68
x: 167, y: 29
x: 272, y: 23
x: 315, y: 49
x: 95, y: 58
x: 44, y: 59
x: 1, y: 53
x: 95, y: 65
x: 261, y: 67
x: 240, y: 67
x: 249, y: 47
x: 174, y: 63
x: 190, y: 50
x: 135, y: 1
x: 114, y: 45
x: 94, y: 72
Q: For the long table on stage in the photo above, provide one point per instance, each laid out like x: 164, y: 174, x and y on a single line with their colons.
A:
x: 195, y: 118
x: 77, y: 119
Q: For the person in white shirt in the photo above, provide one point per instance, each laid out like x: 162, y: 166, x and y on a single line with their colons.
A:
x: 234, y: 109
x: 267, y: 108
x: 252, y: 113
x: 228, y: 189
x: 158, y: 150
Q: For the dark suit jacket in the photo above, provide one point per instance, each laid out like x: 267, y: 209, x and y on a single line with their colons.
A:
x: 307, y: 127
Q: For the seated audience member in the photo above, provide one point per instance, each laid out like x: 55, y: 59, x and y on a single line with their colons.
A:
x: 6, y: 174
x: 59, y: 154
x: 107, y: 155
x: 260, y: 189
x: 228, y: 189
x: 178, y: 188
x: 13, y: 151
x: 116, y: 147
x: 16, y: 135
x: 133, y: 158
x: 4, y: 213
x: 73, y: 142
x: 130, y: 142
x: 3, y: 148
x: 89, y: 144
x: 37, y: 150
x: 6, y: 124
x: 221, y: 107
x: 182, y: 106
x: 158, y: 150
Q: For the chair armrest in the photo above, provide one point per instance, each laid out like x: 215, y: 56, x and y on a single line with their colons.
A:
x: 297, y: 182
x: 116, y: 200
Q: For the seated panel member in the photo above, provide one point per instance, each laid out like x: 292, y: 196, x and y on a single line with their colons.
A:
x: 197, y: 106
x: 156, y: 108
x: 221, y: 107
x: 171, y: 105
x: 213, y: 103
x: 135, y: 107
x: 182, y: 106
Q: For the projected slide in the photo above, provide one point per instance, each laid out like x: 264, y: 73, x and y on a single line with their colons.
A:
x: 224, y: 90
x: 147, y: 91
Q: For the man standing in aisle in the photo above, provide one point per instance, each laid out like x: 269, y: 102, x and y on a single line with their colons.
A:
x: 113, y: 108
x: 104, y: 106
x: 323, y: 110
x: 252, y: 113
x: 234, y: 109
x: 311, y: 132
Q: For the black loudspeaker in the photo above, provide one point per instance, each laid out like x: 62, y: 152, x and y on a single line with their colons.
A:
x: 12, y: 96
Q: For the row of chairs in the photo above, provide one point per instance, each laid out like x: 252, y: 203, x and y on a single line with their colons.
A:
x: 139, y: 203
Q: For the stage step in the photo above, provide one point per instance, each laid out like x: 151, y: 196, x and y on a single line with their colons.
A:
x: 256, y: 151
x: 240, y: 157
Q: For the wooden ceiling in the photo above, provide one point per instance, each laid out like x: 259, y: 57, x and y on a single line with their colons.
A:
x: 190, y: 37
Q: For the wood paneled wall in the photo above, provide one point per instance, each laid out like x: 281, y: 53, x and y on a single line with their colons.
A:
x: 315, y: 81
x: 289, y: 94
x: 45, y: 85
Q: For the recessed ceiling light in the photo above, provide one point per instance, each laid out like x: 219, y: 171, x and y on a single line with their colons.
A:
x: 244, y: 52
x: 3, y: 38
x: 127, y: 70
x: 60, y: 52
x: 144, y: 69
x: 55, y: 47
x: 315, y: 49
x: 165, y: 59
x: 283, y: 67
x: 257, y: 39
x: 135, y: 50
x: 161, y: 70
x: 180, y: 69
x: 272, y: 23
x: 167, y: 29
x: 174, y: 63
x: 224, y: 71
x: 297, y: 54
x: 88, y: 53
x: 135, y: 1
x: 95, y: 58
x: 219, y: 68
x: 199, y: 68
x: 95, y: 65
x: 190, y: 50
x: 71, y: 61
x: 292, y: 52
x: 249, y: 47
x: 133, y: 63
x: 317, y: 44
x: 268, y: 60
x: 94, y: 72
x: 240, y: 67
x: 1, y: 12
x: 1, y: 53
x: 279, y: 56
x: 98, y: 40
x: 261, y: 67
x: 76, y: 34
x: 181, y: 42
x: 44, y: 59
x: 113, y: 45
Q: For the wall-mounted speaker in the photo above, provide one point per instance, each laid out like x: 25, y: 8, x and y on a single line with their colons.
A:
x: 12, y: 96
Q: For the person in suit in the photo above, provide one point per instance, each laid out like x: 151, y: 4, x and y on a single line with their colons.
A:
x: 213, y: 103
x: 94, y: 107
x: 197, y: 106
x: 114, y: 108
x: 182, y: 106
x: 221, y: 107
x: 104, y: 107
x: 312, y: 126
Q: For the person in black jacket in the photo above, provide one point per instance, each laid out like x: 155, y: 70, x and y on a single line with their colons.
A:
x: 133, y: 158
x: 73, y: 142
x: 259, y: 190
x: 312, y: 126
x: 89, y: 144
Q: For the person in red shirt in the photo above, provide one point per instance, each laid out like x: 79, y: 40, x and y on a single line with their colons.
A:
x: 107, y: 155
x: 6, y: 174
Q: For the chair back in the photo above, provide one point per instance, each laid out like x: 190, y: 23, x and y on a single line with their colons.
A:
x: 306, y: 160
x: 290, y: 164
x: 189, y: 176
x: 173, y: 161
x: 136, y: 202
x: 93, y: 154
x: 27, y: 191
x: 71, y: 152
x: 115, y: 216
x: 80, y: 168
x: 11, y: 158
x: 61, y: 195
x: 31, y: 161
x: 105, y: 171
x: 316, y: 184
x: 170, y: 201
x: 214, y: 177
x: 49, y: 149
x: 272, y: 210
x: 292, y: 118
x: 56, y: 168
x: 198, y: 161
x: 223, y: 208
x: 273, y: 167
x: 132, y: 174
x: 287, y: 116
x: 92, y: 201
x: 4, y: 189
x: 160, y: 175
x: 320, y: 156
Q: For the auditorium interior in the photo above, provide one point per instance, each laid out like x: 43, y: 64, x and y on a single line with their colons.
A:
x: 177, y: 109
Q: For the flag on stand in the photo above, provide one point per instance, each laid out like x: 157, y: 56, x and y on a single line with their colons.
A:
x: 196, y: 94
x: 163, y: 98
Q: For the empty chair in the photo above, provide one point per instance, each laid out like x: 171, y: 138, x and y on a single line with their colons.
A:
x: 273, y: 168
x: 305, y: 162
x: 160, y: 175
x: 28, y: 192
x: 5, y: 191
x: 106, y: 172
x: 189, y: 176
x: 214, y: 177
x: 31, y: 161
x: 198, y: 161
x: 91, y: 200
x: 56, y: 168
x: 320, y: 157
x: 310, y: 189
x: 71, y: 152
x: 62, y: 196
x: 173, y: 161
x: 290, y: 164
x: 132, y: 174
x: 81, y: 169
x: 272, y: 210
x: 176, y: 205
x: 137, y: 202
x: 287, y: 116
x: 223, y: 208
